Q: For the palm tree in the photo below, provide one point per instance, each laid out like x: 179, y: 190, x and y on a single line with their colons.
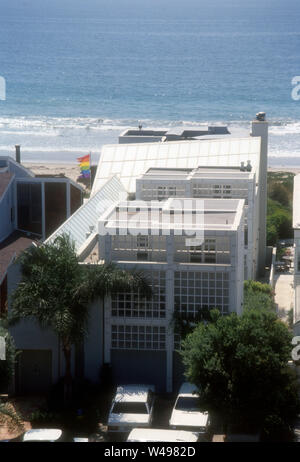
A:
x: 56, y: 291
x: 9, y: 415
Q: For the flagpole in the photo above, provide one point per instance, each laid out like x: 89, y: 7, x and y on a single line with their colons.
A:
x: 91, y: 171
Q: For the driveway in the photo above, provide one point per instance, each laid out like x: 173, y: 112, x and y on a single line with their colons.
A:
x: 284, y: 294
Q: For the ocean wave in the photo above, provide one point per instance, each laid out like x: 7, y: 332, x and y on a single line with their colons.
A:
x: 49, y: 149
x: 43, y: 122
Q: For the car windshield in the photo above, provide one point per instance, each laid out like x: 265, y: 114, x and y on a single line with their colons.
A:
x: 129, y: 408
x: 187, y: 403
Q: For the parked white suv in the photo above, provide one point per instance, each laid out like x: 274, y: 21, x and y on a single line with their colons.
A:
x: 131, y: 407
x: 186, y: 414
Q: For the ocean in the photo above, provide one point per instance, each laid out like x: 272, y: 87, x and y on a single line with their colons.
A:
x: 78, y: 73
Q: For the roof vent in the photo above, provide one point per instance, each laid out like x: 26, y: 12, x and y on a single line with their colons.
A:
x: 248, y: 167
x: 242, y: 166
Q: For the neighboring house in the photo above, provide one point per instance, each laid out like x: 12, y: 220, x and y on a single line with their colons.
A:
x: 31, y: 208
x: 42, y: 361
x: 151, y: 136
x: 34, y: 204
x: 137, y: 337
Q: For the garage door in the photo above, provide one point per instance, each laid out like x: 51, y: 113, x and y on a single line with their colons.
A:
x: 34, y: 373
x: 131, y: 366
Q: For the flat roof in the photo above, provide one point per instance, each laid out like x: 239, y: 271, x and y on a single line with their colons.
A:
x: 211, y: 214
x: 199, y: 172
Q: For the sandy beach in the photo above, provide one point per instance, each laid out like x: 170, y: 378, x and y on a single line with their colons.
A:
x: 72, y: 170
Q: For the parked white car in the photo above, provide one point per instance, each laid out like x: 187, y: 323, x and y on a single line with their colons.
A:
x: 186, y: 414
x: 159, y: 435
x: 131, y: 407
x: 44, y: 434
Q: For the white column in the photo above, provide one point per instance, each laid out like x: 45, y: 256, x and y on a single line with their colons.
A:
x: 169, y: 329
x: 260, y: 128
x: 68, y: 199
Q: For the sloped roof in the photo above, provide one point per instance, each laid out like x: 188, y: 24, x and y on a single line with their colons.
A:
x: 86, y: 217
x: 11, y: 247
x: 5, y: 179
x: 129, y: 161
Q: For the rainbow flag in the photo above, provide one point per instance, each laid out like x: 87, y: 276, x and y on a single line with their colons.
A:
x: 85, y: 166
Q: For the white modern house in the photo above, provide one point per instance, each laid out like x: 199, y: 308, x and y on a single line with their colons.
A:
x: 192, y: 251
x: 188, y: 275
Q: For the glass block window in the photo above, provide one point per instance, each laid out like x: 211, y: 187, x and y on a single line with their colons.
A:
x: 220, y: 191
x: 138, y: 337
x: 161, y: 192
x: 133, y: 305
x: 195, y: 292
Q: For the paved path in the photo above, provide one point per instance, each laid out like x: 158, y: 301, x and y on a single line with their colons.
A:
x: 284, y: 294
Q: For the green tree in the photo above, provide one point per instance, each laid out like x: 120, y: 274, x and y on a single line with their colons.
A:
x: 258, y: 295
x: 239, y: 364
x: 55, y: 291
x: 279, y: 222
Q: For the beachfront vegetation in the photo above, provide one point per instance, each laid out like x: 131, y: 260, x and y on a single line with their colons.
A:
x: 279, y: 207
x: 239, y: 364
x: 56, y: 291
x: 258, y: 295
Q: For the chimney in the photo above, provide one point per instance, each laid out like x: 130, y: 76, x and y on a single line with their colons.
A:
x: 18, y: 154
x: 260, y: 128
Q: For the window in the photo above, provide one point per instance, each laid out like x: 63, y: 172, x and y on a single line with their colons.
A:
x: 226, y: 190
x: 222, y: 191
x: 161, y: 192
x: 217, y: 190
x: 187, y: 403
x: 133, y: 305
x: 205, y: 253
x: 196, y: 292
x: 142, y: 248
x: 130, y: 408
x: 138, y: 337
